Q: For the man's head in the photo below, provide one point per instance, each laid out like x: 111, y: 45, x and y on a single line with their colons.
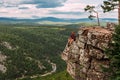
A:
x: 72, y: 32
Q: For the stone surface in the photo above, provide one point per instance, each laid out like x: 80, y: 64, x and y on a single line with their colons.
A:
x: 8, y: 45
x: 2, y: 60
x: 85, y: 56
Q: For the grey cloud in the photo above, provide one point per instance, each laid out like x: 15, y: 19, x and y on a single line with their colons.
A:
x: 38, y: 3
x: 23, y: 8
x: 3, y: 12
x: 45, y: 3
x: 8, y: 6
x: 8, y: 3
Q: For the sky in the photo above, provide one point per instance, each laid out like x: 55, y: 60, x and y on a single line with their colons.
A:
x: 51, y: 8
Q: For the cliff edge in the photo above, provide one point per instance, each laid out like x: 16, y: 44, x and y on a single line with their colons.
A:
x: 85, y: 56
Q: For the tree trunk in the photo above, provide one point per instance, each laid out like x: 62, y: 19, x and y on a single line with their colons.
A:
x: 119, y: 13
x: 97, y: 16
x: 98, y: 19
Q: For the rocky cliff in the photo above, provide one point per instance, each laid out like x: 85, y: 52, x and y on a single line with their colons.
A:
x: 85, y: 56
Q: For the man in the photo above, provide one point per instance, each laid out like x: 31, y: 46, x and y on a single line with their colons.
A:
x: 71, y: 38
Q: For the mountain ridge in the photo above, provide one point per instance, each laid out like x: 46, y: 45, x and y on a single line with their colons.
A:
x: 53, y: 19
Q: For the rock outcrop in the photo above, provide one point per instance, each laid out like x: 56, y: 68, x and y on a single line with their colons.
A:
x: 2, y: 62
x: 85, y: 56
x: 8, y: 45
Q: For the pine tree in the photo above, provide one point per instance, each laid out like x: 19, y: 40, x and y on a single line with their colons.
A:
x: 91, y: 9
x: 114, y: 51
x: 110, y: 5
x: 114, y: 55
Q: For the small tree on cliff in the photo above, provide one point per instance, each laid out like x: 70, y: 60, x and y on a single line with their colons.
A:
x: 91, y: 9
x: 110, y: 5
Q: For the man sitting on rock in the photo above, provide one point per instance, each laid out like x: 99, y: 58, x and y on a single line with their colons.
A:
x: 71, y: 38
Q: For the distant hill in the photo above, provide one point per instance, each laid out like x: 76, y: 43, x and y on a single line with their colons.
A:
x: 52, y: 19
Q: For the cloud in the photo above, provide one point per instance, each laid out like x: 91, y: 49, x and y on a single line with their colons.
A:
x: 49, y: 8
x: 9, y: 3
x: 38, y: 3
x: 23, y: 8
x: 45, y: 3
x: 3, y: 12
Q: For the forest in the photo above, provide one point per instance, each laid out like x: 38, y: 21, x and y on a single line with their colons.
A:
x: 30, y: 48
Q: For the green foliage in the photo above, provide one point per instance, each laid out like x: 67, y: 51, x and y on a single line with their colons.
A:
x: 91, y: 17
x: 33, y: 44
x: 63, y: 75
x: 114, y: 54
x: 109, y: 5
x: 91, y: 9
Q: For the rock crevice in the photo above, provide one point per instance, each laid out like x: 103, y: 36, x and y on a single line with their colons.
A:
x: 85, y: 56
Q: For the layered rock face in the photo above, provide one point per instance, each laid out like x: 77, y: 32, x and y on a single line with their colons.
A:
x: 85, y: 56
